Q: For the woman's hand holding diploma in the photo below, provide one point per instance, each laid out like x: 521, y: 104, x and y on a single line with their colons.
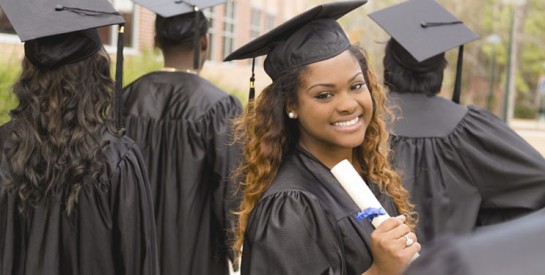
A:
x: 393, y: 245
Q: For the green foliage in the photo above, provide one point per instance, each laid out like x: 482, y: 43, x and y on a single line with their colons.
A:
x: 136, y: 66
x: 10, y: 69
x: 525, y: 111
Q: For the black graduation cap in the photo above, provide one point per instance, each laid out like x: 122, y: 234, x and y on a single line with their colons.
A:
x: 59, y: 32
x: 168, y: 8
x: 307, y: 38
x: 425, y: 29
x: 171, y: 8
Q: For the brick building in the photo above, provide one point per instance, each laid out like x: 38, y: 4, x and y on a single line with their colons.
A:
x: 232, y: 25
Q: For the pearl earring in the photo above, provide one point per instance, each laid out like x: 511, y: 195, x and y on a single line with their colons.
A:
x: 292, y: 115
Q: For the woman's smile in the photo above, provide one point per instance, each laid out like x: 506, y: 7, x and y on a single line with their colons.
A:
x: 348, y: 124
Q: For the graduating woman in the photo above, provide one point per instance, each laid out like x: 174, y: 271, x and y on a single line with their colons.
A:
x: 74, y: 194
x: 324, y: 105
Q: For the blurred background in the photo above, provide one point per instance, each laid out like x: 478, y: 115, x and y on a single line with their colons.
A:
x: 504, y: 70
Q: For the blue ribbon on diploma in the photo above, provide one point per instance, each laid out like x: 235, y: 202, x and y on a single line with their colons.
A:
x: 370, y: 213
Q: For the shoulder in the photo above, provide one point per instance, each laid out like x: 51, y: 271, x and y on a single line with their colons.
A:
x: 293, y: 212
x: 213, y: 98
x: 177, y: 95
x: 419, y: 115
x: 118, y: 149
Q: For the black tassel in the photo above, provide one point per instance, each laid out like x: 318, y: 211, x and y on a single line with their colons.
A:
x: 119, y: 78
x: 458, y: 81
x: 196, y: 40
x: 252, y: 82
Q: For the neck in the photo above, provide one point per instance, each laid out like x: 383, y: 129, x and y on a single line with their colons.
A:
x: 182, y: 62
x: 173, y: 69
x: 328, y: 157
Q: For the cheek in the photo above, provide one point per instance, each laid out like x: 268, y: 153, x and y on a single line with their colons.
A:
x: 368, y: 105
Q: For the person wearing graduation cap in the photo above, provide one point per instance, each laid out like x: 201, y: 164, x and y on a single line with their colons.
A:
x: 74, y: 192
x: 182, y: 124
x: 513, y: 247
x: 463, y: 167
x: 324, y: 105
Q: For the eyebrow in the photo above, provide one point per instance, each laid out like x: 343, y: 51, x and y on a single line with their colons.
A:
x: 333, y: 85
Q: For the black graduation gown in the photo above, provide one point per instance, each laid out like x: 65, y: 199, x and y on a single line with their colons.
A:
x: 514, y: 247
x: 182, y: 124
x: 463, y: 166
x: 305, y: 224
x: 111, y: 231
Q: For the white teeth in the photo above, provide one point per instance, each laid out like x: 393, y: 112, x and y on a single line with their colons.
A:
x: 347, y: 123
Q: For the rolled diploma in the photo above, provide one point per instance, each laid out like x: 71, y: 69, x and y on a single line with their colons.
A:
x: 354, y: 185
x: 358, y: 190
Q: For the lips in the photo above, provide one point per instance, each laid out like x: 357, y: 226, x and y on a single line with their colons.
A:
x: 347, y: 123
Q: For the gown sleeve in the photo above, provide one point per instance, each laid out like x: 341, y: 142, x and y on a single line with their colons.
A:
x: 514, y: 247
x: 223, y: 156
x: 133, y: 218
x: 290, y: 233
x: 509, y: 173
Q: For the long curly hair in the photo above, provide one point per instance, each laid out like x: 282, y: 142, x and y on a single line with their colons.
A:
x: 57, y: 130
x: 269, y: 136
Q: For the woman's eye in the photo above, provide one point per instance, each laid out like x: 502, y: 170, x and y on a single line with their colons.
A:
x: 358, y: 86
x: 323, y: 96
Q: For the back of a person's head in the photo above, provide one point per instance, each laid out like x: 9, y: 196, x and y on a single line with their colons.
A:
x: 58, y: 128
x: 404, y: 74
x: 179, y: 31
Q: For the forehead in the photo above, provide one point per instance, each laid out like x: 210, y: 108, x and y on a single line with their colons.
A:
x: 339, y: 68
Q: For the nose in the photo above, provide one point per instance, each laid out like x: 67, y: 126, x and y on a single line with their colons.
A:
x: 347, y: 103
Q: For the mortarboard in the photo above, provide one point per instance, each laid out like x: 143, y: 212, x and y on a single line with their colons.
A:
x: 309, y: 37
x: 425, y: 29
x: 64, y: 31
x: 183, y: 26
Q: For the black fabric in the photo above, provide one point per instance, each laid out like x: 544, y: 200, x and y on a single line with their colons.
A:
x: 182, y: 124
x: 424, y: 27
x: 52, y: 51
x: 305, y: 224
x: 316, y: 41
x: 168, y: 8
x: 463, y: 167
x: 404, y: 59
x: 179, y: 29
x: 515, y: 247
x: 34, y: 19
x: 309, y: 37
x: 111, y: 231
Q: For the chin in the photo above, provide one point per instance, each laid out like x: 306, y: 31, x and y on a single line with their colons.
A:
x: 351, y: 143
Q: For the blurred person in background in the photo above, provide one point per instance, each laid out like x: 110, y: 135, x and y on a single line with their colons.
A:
x: 182, y: 124
x: 464, y: 167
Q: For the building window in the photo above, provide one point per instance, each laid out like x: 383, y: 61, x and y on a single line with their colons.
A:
x: 255, y: 23
x: 209, y: 13
x: 228, y: 28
